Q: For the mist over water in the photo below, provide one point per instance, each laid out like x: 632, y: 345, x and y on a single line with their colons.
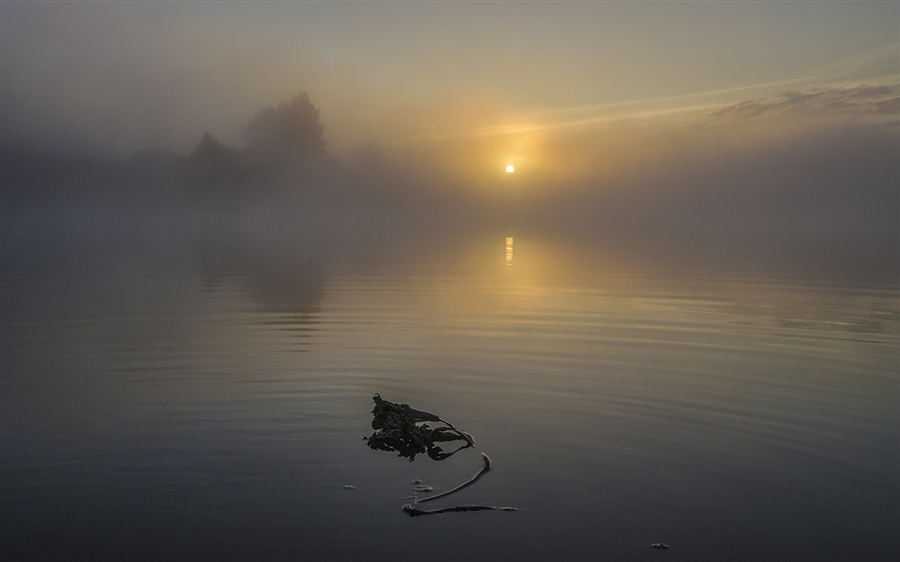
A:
x: 817, y: 202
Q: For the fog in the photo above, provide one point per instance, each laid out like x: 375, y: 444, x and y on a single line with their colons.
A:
x: 145, y: 126
x: 719, y: 191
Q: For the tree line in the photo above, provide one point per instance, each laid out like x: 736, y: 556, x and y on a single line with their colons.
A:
x: 284, y: 143
x: 284, y: 138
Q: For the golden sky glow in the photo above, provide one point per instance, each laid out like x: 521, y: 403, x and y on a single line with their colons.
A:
x: 564, y: 90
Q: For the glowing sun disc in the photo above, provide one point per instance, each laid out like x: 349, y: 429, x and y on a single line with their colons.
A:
x: 510, y: 169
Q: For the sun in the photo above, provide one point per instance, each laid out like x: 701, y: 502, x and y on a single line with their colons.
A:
x: 510, y: 169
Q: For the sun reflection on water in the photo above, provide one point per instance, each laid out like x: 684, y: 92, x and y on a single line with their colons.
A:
x: 509, y: 250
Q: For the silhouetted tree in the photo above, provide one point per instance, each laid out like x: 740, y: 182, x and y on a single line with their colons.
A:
x: 214, y: 166
x: 288, y: 132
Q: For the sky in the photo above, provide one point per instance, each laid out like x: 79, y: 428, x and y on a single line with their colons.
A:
x: 161, y: 72
x: 564, y: 91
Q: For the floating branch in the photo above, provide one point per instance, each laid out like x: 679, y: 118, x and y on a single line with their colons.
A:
x: 403, y: 429
x: 413, y: 511
x: 487, y: 466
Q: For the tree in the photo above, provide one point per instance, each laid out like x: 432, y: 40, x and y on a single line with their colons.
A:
x: 214, y: 166
x: 286, y: 133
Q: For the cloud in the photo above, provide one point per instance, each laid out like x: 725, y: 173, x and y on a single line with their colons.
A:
x: 873, y: 66
x: 858, y: 102
x: 860, y: 86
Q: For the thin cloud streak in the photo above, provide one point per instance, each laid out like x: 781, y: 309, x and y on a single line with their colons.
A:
x: 858, y: 102
x: 876, y: 67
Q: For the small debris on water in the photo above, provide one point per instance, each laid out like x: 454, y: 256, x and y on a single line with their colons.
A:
x: 414, y: 511
x: 661, y: 546
x: 349, y: 487
x: 405, y: 430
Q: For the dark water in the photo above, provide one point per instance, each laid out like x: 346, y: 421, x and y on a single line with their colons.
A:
x: 209, y: 402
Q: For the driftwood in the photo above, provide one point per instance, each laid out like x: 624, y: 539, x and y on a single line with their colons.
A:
x: 487, y: 466
x: 405, y: 430
x: 413, y: 511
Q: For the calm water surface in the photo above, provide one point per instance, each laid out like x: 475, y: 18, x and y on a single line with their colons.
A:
x: 210, y: 405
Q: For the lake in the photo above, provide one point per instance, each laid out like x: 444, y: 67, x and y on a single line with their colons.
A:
x: 208, y: 401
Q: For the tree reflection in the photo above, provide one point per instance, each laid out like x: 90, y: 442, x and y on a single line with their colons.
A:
x: 287, y: 284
